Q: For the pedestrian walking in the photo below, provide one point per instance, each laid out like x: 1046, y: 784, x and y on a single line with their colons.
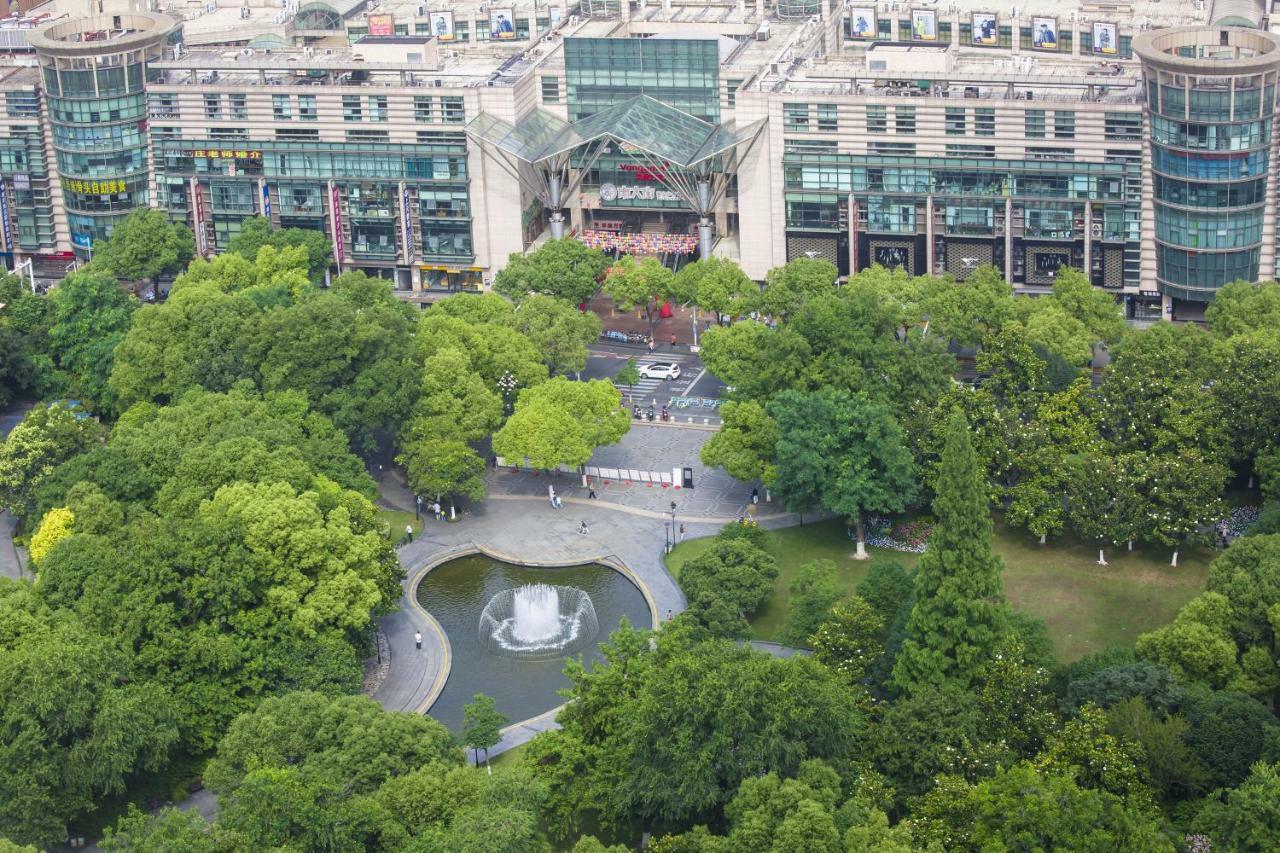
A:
x: 438, y: 511
x: 582, y: 528
x: 651, y: 347
x: 417, y: 506
x: 408, y: 532
x: 673, y: 341
x: 591, y: 494
x: 493, y: 462
x: 417, y: 640
x: 755, y: 496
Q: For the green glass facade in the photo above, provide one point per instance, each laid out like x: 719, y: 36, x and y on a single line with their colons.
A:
x: 685, y: 73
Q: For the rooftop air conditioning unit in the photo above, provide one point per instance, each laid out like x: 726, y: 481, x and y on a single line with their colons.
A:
x: 308, y: 52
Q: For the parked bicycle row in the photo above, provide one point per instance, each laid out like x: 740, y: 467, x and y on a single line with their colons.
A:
x: 695, y: 402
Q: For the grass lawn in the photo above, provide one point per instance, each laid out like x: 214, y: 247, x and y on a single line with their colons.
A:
x: 511, y: 756
x: 393, y: 522
x: 1086, y: 606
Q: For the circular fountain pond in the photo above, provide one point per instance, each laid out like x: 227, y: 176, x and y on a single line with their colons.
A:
x: 511, y: 628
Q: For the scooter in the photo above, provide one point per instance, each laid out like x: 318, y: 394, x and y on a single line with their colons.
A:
x: 639, y: 415
x: 666, y: 415
x: 649, y: 414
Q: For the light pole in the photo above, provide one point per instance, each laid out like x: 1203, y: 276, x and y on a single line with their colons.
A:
x: 671, y: 535
x: 507, y: 385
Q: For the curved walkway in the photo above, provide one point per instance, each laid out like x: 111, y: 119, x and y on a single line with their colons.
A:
x: 526, y: 528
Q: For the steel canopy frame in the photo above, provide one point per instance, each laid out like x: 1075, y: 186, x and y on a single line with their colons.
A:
x: 539, y: 153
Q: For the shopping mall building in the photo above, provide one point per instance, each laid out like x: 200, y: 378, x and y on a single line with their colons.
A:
x: 1132, y: 140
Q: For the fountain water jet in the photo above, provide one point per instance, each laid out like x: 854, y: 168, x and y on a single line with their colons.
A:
x: 538, y: 621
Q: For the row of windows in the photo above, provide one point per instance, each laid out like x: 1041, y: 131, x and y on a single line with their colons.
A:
x: 796, y: 117
x: 95, y: 137
x: 1201, y: 230
x: 100, y: 164
x: 950, y: 182
x: 1205, y: 270
x: 1219, y: 103
x: 1211, y: 137
x: 127, y: 108
x: 1212, y: 167
x: 1193, y: 194
x: 440, y: 167
x: 93, y: 83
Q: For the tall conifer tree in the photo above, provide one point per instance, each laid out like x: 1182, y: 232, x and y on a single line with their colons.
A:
x: 960, y: 613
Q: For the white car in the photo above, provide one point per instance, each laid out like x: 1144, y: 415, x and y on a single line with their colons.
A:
x: 660, y: 370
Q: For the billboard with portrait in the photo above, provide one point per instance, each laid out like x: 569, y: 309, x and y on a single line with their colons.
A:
x: 381, y: 25
x: 1104, y: 39
x: 1044, y: 33
x: 984, y: 28
x: 891, y: 256
x: 442, y: 26
x: 553, y: 12
x: 502, y: 24
x: 924, y: 25
x: 862, y: 22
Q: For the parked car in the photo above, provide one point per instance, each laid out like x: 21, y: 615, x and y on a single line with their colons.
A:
x: 660, y: 370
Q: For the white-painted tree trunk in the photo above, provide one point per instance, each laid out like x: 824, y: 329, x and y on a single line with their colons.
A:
x: 861, y: 535
x: 1130, y: 544
x: 453, y: 512
x: 1044, y: 537
x: 1174, y: 561
x: 1102, y: 557
x: 861, y: 552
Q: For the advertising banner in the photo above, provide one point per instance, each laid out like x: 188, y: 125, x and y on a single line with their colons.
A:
x: 1044, y: 33
x: 442, y: 26
x: 924, y: 25
x: 1104, y: 39
x: 862, y: 22
x: 502, y: 24
x: 335, y: 208
x: 984, y: 29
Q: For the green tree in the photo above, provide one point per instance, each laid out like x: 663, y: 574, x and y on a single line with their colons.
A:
x: 256, y: 232
x: 91, y: 316
x: 45, y: 438
x: 54, y: 527
x: 26, y: 368
x: 1242, y: 307
x: 726, y: 584
x: 1247, y: 818
x: 814, y: 590
x: 348, y: 741
x: 786, y: 288
x: 629, y: 375
x: 565, y: 269
x: 627, y: 751
x: 559, y: 331
x: 1230, y: 732
x: 1172, y: 769
x: 1020, y: 808
x: 561, y: 422
x: 170, y: 829
x: 848, y: 641
x: 645, y: 284
x: 75, y: 721
x: 482, y: 725
x: 1197, y: 645
x: 841, y: 452
x: 925, y: 734
x: 959, y: 616
x: 745, y: 444
x: 1247, y: 385
x: 717, y: 285
x: 445, y: 467
x: 475, y: 308
x: 145, y: 246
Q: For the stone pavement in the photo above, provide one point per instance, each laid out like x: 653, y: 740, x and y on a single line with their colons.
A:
x: 11, y: 562
x: 647, y: 447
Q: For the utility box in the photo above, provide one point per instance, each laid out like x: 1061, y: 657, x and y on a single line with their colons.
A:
x: 686, y: 479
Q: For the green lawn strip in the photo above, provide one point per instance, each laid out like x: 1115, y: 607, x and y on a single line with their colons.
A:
x: 1086, y: 606
x: 393, y: 522
x: 511, y: 756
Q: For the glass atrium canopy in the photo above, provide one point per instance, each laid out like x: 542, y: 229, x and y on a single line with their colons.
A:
x: 540, y: 148
x: 659, y: 130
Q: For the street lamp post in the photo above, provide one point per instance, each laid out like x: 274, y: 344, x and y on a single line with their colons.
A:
x: 671, y: 539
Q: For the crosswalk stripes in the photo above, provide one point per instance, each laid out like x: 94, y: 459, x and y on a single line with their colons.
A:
x: 646, y: 389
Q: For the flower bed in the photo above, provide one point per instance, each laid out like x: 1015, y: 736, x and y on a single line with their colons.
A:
x: 1239, y: 520
x: 907, y: 536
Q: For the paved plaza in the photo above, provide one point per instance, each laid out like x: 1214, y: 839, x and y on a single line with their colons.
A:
x: 628, y: 526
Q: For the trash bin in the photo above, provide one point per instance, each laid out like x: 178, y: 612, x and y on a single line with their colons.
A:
x: 687, y: 478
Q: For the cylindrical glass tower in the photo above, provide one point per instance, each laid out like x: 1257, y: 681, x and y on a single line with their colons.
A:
x: 94, y: 72
x: 1211, y: 97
